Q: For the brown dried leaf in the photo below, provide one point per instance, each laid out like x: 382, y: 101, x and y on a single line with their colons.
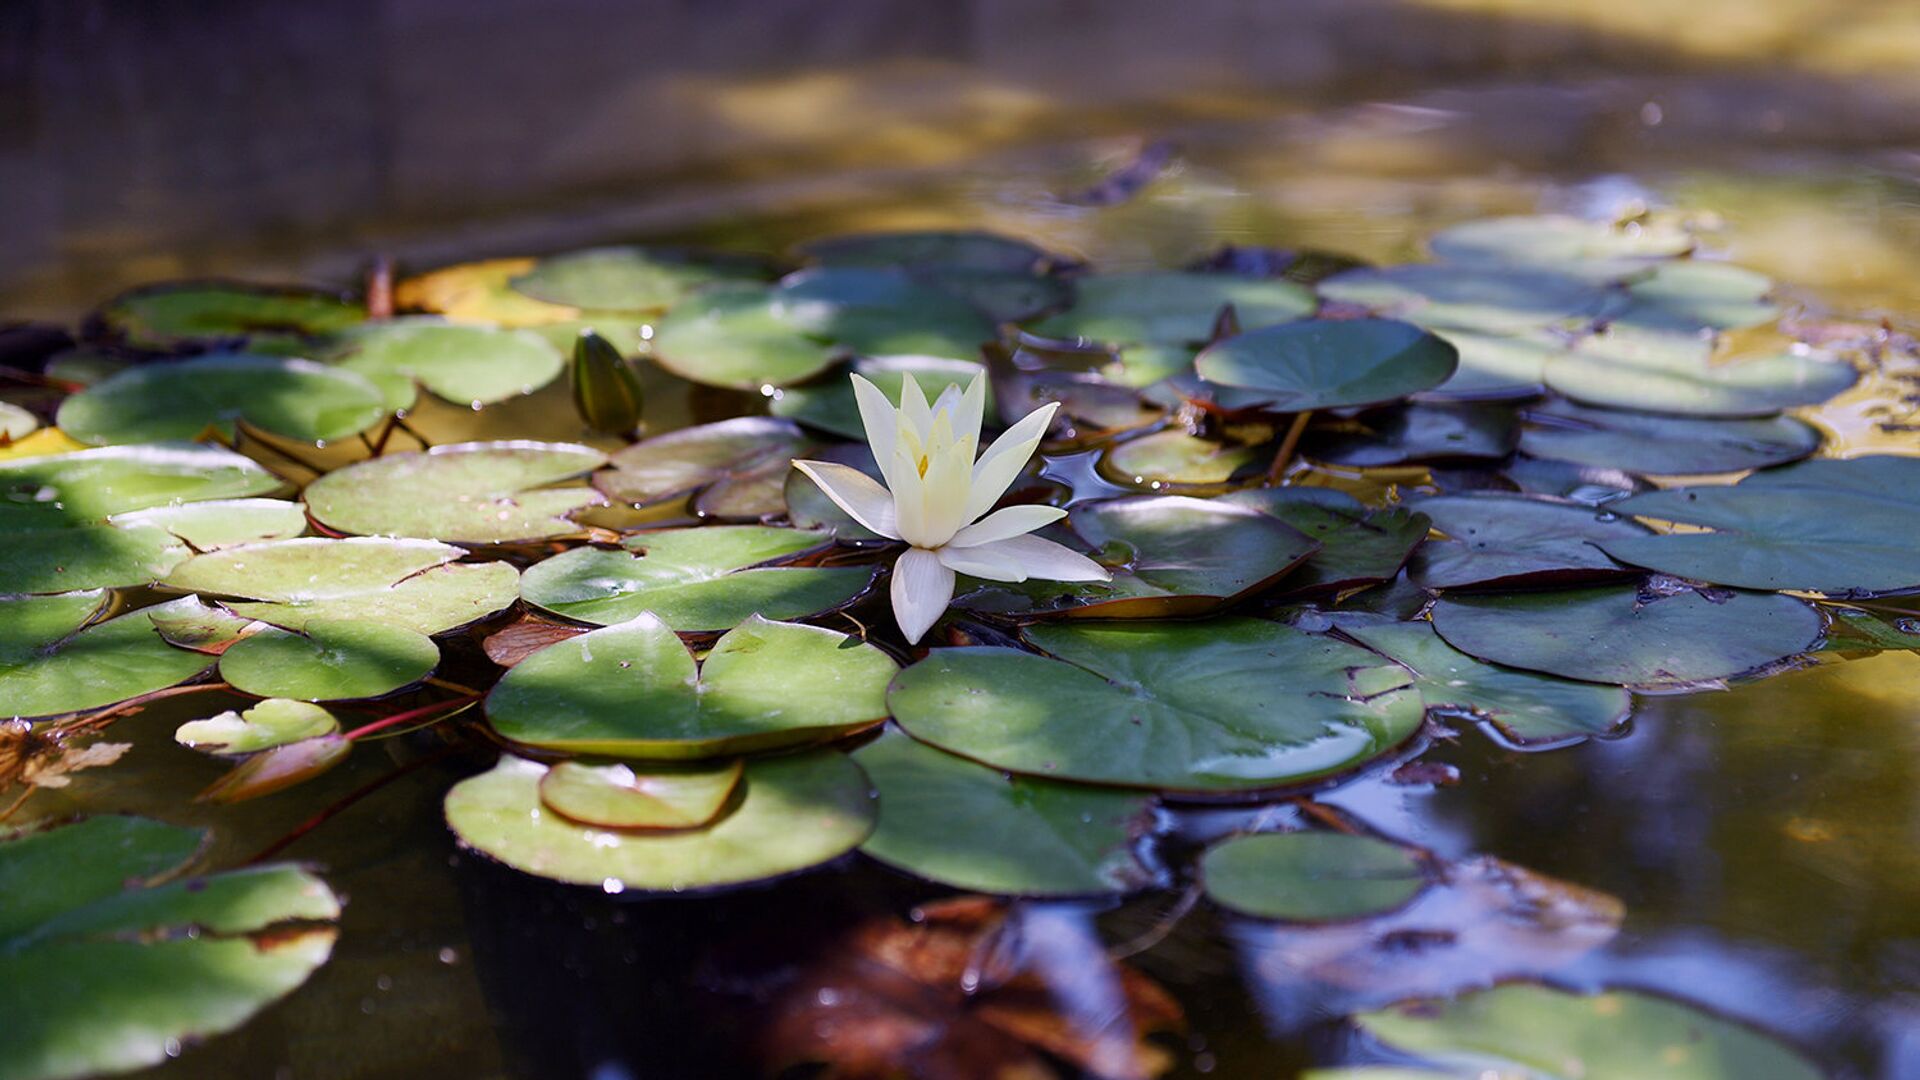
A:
x: 45, y: 759
x: 524, y: 637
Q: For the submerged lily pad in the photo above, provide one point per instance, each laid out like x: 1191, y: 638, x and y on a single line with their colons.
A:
x: 408, y: 583
x: 951, y: 821
x: 696, y: 579
x: 660, y: 796
x: 1224, y: 706
x: 1488, y: 299
x: 1311, y: 876
x: 1328, y: 363
x: 267, y: 724
x: 1172, y: 307
x: 1358, y: 546
x: 633, y: 690
x: 1174, y: 460
x: 1837, y: 527
x: 329, y: 660
x: 1626, y: 371
x: 167, y: 317
x: 53, y: 662
x: 474, y: 493
x: 830, y: 405
x: 1611, y: 1035
x: 728, y: 455
x: 1662, y: 445
x: 1497, y: 541
x: 297, y: 399
x: 464, y: 364
x: 1628, y: 636
x: 104, y: 971
x: 791, y: 812
x: 634, y: 279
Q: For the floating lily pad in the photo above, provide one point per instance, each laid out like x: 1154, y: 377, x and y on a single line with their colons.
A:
x: 635, y: 279
x: 297, y: 399
x: 1224, y: 706
x: 273, y: 722
x: 808, y: 507
x: 1358, y: 546
x: 1835, y: 527
x: 1662, y: 445
x: 91, y: 485
x: 50, y: 665
x: 633, y: 690
x: 951, y: 821
x: 1524, y: 707
x: 735, y: 336
x: 660, y: 796
x: 1090, y: 407
x: 329, y: 660
x: 1690, y: 295
x: 731, y: 454
x: 1496, y: 366
x: 207, y: 526
x: 168, y: 317
x: 1628, y: 636
x: 16, y: 422
x: 408, y: 583
x: 202, y: 627
x: 791, y: 813
x: 1311, y: 876
x: 1552, y: 240
x: 103, y: 971
x: 1497, y: 541
x: 1328, y: 363
x: 481, y: 292
x: 1173, y: 460
x: 1003, y: 296
x: 1399, y: 434
x: 1588, y: 485
x: 1172, y: 556
x: 467, y: 365
x: 475, y: 493
x: 1612, y: 1035
x: 830, y: 406
x: 1489, y: 299
x: 1621, y: 370
x: 963, y: 248
x: 1172, y: 307
x: 696, y: 579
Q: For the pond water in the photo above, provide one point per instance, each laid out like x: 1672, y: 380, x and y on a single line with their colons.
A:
x: 1761, y: 840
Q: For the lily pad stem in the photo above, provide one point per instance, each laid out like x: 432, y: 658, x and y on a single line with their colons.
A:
x: 411, y: 714
x: 1284, y: 456
x: 344, y: 803
x: 93, y: 720
x: 1158, y: 932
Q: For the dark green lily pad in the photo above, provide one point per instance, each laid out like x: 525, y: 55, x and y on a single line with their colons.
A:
x: 1662, y: 445
x: 53, y: 662
x: 1328, y: 363
x: 1172, y: 307
x: 1091, y: 408
x: 413, y: 584
x: 632, y: 279
x: 792, y: 812
x: 1497, y: 541
x: 1527, y: 709
x: 329, y: 660
x: 473, y: 493
x: 297, y: 399
x: 1358, y: 546
x: 1399, y: 434
x: 104, y: 971
x: 1554, y: 240
x: 1171, y: 556
x: 1172, y: 460
x: 951, y: 821
x: 1003, y: 296
x: 1612, y: 1035
x: 696, y: 579
x: 1311, y: 876
x: 1631, y: 636
x: 464, y: 364
x: 1836, y: 527
x: 1619, y: 369
x: 660, y: 796
x: 633, y: 690
x: 1588, y: 485
x: 166, y: 317
x: 1488, y: 299
x: 1230, y: 705
x: 16, y: 422
x: 972, y: 249
x: 732, y: 454
x: 829, y: 405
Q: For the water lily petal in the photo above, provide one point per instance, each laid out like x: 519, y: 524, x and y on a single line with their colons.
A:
x: 909, y: 493
x: 877, y: 415
x: 948, y: 480
x: 856, y: 493
x: 1021, y: 557
x: 995, y: 470
x: 914, y: 410
x: 973, y: 409
x: 1006, y: 523
x: 922, y: 588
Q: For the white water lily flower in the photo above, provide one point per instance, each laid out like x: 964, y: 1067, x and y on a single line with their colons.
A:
x: 937, y: 497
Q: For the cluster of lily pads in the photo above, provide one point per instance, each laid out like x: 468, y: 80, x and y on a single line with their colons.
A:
x: 718, y: 696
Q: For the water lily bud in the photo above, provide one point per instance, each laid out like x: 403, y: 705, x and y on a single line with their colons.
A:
x: 606, y: 389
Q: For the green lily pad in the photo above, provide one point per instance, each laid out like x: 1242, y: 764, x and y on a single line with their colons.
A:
x: 16, y: 422
x: 1496, y: 366
x: 166, y: 317
x: 636, y: 279
x: 1836, y: 527
x: 1686, y: 296
x: 696, y: 579
x: 792, y: 812
x: 731, y: 454
x: 1527, y: 709
x: 1311, y: 876
x: 91, y: 485
x: 971, y: 249
x: 1497, y: 541
x: 297, y: 399
x: 663, y: 796
x: 473, y: 493
x: 1399, y: 434
x: 1554, y: 240
x: 735, y: 336
x: 52, y: 662
x: 464, y: 364
x: 329, y: 660
x: 633, y: 690
x: 1230, y: 705
x: 1328, y: 363
x: 1173, y: 557
x: 829, y: 405
x: 1358, y: 546
x: 956, y: 823
x: 1488, y: 299
x: 809, y: 508
x: 208, y: 526
x: 1662, y: 445
x: 1091, y: 408
x: 1628, y: 636
x: 104, y: 971
x: 1003, y: 296
x: 270, y: 723
x: 413, y: 584
x: 1621, y: 370
x: 1611, y: 1035
x: 1172, y: 460
x: 1172, y: 307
